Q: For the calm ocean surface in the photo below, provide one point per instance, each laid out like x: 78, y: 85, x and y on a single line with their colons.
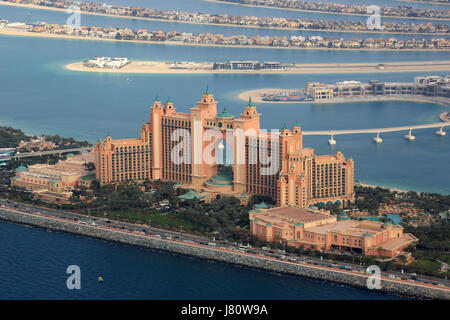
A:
x: 34, y: 263
x: 38, y: 95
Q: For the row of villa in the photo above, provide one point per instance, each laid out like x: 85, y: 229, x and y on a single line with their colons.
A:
x: 249, y: 21
x: 233, y: 40
x: 348, y: 8
x: 429, y: 86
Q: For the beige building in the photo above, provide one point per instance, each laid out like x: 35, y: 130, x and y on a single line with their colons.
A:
x: 297, y: 227
x: 54, y: 183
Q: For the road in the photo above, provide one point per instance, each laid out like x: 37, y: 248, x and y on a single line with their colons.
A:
x: 212, y: 243
x: 44, y: 153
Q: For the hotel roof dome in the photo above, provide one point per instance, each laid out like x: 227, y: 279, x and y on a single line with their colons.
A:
x: 225, y: 114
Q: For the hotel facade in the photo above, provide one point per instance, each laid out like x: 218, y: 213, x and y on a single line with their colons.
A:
x: 312, y: 229
x: 273, y: 164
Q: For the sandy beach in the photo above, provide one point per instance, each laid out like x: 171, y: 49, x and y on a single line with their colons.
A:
x: 445, y: 116
x: 166, y: 67
x: 375, y: 186
x: 17, y: 32
x: 38, y: 7
x: 256, y: 97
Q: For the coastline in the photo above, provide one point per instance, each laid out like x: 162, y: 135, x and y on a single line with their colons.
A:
x: 445, y: 116
x: 328, y: 274
x: 255, y: 95
x: 318, y: 11
x: 38, y: 7
x: 9, y: 32
x: 427, y: 2
x: 332, y: 68
x: 373, y: 186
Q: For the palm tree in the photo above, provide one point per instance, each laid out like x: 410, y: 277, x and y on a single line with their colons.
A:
x: 403, y: 260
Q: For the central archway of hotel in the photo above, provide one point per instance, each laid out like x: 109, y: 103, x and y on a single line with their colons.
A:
x: 224, y: 161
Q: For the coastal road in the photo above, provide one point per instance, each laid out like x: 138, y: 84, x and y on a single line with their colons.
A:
x: 44, y: 153
x: 205, y: 241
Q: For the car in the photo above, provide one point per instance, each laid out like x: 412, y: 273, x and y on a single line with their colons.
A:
x: 334, y: 264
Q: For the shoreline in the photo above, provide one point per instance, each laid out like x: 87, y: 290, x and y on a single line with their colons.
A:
x: 9, y: 32
x: 327, y: 274
x: 255, y: 95
x: 332, y: 68
x: 373, y: 186
x: 38, y: 7
x: 324, y: 12
x: 427, y: 2
x: 445, y: 116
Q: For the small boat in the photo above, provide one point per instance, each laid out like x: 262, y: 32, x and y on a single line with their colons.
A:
x: 100, y: 279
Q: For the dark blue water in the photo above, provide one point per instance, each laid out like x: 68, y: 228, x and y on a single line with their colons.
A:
x: 33, y: 266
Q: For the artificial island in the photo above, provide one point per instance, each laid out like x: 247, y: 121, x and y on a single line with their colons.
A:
x: 305, y: 189
x: 124, y: 65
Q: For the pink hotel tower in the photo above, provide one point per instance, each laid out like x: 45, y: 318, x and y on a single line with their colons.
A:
x: 302, y: 178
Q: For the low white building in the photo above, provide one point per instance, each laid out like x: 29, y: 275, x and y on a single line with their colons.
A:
x: 107, y: 62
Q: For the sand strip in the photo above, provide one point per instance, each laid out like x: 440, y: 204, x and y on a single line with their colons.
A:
x: 335, y: 68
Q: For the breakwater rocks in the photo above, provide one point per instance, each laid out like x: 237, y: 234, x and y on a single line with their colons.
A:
x: 343, y: 277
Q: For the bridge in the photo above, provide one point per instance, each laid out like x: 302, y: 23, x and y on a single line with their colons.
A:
x: 44, y: 153
x: 378, y: 131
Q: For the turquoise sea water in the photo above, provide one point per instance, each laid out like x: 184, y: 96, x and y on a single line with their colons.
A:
x: 395, y: 217
x: 40, y: 96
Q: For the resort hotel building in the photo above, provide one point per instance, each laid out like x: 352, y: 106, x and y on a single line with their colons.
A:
x: 55, y: 182
x: 270, y: 163
x: 311, y: 229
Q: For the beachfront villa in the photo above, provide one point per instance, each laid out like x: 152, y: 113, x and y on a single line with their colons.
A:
x: 318, y: 230
x: 433, y: 86
x: 299, y: 177
x: 54, y: 183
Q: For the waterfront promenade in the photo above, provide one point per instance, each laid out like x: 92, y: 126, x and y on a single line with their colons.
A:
x: 354, y: 277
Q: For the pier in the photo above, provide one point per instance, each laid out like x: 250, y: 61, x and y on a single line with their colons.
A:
x: 378, y: 131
